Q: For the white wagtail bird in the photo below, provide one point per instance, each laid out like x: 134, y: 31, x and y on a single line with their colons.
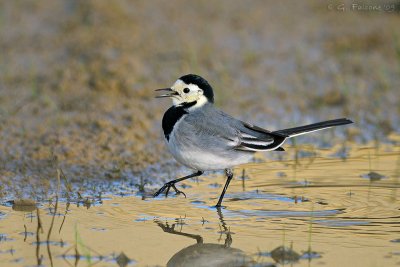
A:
x: 204, y: 138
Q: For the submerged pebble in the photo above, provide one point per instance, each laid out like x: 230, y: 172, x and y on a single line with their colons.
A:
x: 284, y: 255
x: 122, y: 260
x: 373, y: 176
x: 25, y: 205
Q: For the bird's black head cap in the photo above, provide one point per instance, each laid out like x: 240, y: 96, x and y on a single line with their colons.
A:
x: 201, y: 83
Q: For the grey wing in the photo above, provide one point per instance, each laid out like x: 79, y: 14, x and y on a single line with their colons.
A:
x: 221, y: 130
x: 209, y: 129
x: 254, y: 138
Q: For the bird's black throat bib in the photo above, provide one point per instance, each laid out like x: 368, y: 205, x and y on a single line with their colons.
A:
x: 173, y: 115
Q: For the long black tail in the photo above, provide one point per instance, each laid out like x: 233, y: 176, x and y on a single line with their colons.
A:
x: 291, y: 132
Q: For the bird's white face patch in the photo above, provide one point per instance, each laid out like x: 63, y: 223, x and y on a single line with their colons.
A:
x: 188, y: 93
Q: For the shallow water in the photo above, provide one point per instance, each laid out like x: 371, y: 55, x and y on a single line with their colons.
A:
x: 326, y: 209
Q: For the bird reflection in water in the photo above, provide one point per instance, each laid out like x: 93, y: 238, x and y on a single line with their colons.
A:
x: 206, y: 254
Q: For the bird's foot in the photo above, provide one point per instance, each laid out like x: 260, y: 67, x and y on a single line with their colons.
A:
x: 166, y: 187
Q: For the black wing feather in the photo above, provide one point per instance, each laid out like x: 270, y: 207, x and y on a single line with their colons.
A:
x: 260, y: 140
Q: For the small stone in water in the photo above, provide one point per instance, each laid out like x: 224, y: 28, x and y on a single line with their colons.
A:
x: 284, y: 255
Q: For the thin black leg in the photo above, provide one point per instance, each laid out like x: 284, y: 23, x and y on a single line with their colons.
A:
x: 166, y: 187
x: 171, y: 229
x: 229, y: 175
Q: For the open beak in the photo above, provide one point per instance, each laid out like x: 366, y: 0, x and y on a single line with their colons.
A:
x: 170, y: 93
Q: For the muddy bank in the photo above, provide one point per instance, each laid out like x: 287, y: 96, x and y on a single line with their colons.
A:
x: 77, y: 79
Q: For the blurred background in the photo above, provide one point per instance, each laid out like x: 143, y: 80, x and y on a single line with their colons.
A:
x: 77, y: 78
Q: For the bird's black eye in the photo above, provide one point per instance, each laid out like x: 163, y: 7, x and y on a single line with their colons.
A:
x: 186, y: 90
